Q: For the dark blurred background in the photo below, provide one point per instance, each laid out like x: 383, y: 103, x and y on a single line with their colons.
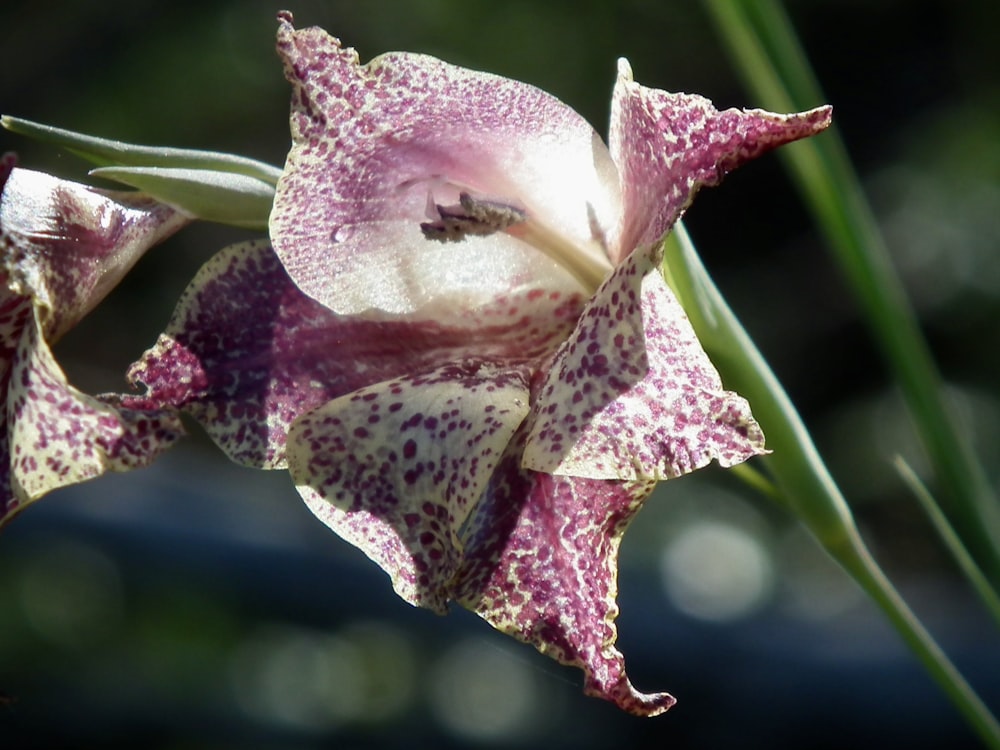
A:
x: 199, y: 605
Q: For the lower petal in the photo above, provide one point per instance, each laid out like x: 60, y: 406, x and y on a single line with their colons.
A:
x: 541, y: 565
x: 396, y: 468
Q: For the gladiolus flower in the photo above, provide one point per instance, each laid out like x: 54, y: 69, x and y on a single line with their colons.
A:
x: 462, y: 345
x: 64, y: 246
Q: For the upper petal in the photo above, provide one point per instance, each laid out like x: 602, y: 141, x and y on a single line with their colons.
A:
x: 373, y: 144
x: 668, y: 145
x: 67, y: 245
x: 631, y: 394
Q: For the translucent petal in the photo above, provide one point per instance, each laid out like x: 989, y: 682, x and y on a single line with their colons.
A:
x: 67, y: 245
x: 375, y: 144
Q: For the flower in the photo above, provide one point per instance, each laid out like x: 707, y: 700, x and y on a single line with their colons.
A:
x: 64, y: 246
x: 462, y: 345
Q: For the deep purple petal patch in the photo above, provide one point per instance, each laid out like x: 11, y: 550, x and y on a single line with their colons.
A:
x: 246, y: 352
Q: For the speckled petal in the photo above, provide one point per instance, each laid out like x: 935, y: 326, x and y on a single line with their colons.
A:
x: 396, y: 468
x: 246, y: 352
x: 67, y: 245
x: 376, y: 146
x: 632, y: 395
x: 58, y: 436
x: 15, y: 314
x: 668, y: 145
x: 542, y: 563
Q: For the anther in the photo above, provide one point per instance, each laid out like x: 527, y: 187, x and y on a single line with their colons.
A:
x: 472, y: 216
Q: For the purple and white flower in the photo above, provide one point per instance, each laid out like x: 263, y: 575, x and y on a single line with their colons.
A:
x: 459, y: 340
x: 63, y: 247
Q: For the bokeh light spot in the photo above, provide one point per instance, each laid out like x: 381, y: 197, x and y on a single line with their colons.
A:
x: 713, y: 570
x: 71, y: 594
x: 312, y: 680
x: 482, y: 692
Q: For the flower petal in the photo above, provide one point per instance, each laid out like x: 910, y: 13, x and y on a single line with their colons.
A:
x: 373, y: 144
x: 541, y: 565
x: 668, y: 145
x: 246, y: 352
x: 396, y: 468
x: 632, y: 395
x: 56, y: 436
x: 66, y: 245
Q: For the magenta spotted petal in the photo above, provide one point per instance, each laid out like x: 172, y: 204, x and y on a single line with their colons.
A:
x: 384, y: 152
x: 668, y: 145
x: 423, y: 474
x: 632, y: 395
x: 63, y: 247
x: 397, y: 468
x: 542, y: 564
x: 59, y: 436
x: 376, y: 147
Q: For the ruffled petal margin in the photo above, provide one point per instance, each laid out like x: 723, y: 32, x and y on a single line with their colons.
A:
x: 541, y: 565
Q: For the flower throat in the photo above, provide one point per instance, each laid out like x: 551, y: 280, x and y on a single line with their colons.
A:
x: 482, y: 217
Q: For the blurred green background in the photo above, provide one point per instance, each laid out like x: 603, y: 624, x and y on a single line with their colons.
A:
x: 198, y: 605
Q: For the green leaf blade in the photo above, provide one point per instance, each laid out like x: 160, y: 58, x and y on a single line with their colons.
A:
x: 223, y: 197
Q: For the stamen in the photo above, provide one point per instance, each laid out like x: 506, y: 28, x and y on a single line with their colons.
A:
x: 472, y: 216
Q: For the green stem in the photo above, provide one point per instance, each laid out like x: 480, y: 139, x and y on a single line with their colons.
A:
x: 800, y: 474
x: 856, y: 559
x: 950, y: 539
x: 766, y: 52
